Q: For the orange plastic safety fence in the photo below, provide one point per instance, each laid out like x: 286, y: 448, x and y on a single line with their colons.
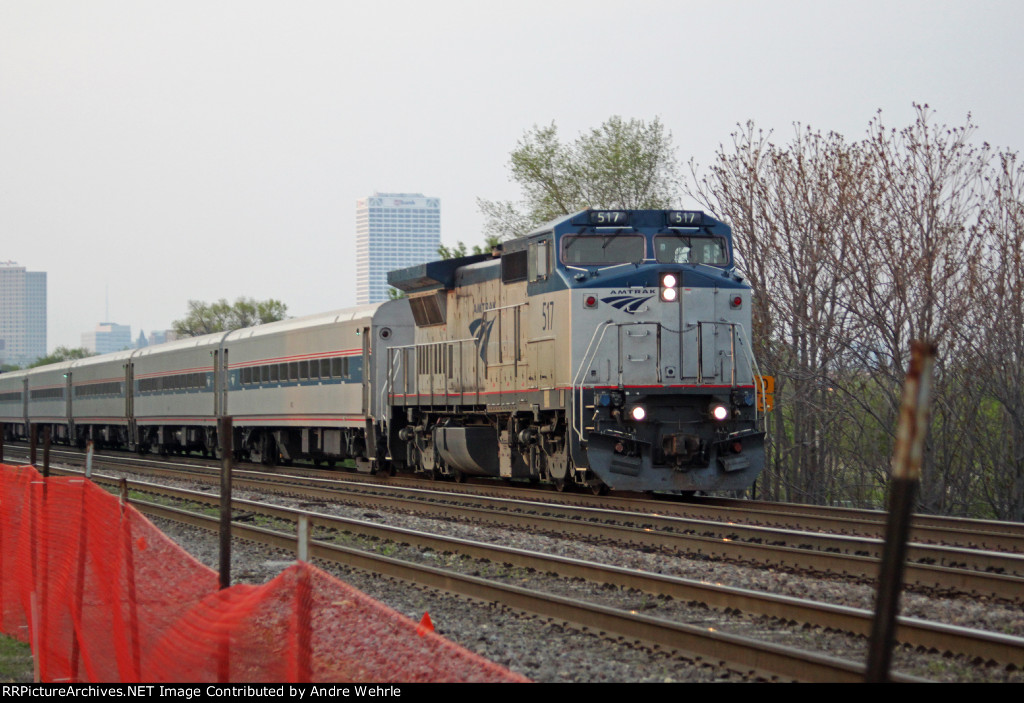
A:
x: 103, y: 595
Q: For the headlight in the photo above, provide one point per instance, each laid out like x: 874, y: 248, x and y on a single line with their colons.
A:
x: 638, y: 413
x: 719, y: 412
x: 669, y: 287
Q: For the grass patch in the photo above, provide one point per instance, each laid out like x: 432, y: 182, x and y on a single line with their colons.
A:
x: 15, y: 661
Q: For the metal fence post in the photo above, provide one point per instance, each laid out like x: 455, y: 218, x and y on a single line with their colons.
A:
x: 906, y: 470
x: 225, y: 433
x: 225, y: 430
x: 303, y: 598
x: 46, y: 451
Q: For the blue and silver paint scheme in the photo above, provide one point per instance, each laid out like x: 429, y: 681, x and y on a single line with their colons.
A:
x: 563, y: 334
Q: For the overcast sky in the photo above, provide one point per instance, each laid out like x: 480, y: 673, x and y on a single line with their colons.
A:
x: 156, y: 152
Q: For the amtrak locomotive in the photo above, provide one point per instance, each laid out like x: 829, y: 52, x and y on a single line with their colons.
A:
x: 606, y: 349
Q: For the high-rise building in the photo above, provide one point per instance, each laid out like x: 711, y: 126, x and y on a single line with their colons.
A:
x: 161, y: 336
x: 22, y: 314
x: 108, y: 337
x: 393, y: 230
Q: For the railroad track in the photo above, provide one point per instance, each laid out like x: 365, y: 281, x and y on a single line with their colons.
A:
x: 997, y: 573
x: 1004, y: 537
x: 747, y: 656
x: 915, y: 632
x: 749, y: 659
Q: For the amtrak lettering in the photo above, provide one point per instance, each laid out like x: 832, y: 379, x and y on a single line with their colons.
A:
x: 627, y: 303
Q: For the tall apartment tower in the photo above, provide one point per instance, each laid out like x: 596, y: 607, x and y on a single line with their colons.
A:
x: 22, y: 314
x: 393, y: 230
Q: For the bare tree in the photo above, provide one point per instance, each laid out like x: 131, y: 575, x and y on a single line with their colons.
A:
x: 791, y: 210
x: 915, y: 279
x: 999, y: 368
x: 854, y: 249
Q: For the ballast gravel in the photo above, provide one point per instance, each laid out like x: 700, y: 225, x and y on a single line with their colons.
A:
x: 548, y: 651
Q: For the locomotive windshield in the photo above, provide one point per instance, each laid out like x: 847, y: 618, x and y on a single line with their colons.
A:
x: 599, y: 250
x: 676, y: 249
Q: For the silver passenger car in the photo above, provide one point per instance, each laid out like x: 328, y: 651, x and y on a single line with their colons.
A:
x: 297, y: 388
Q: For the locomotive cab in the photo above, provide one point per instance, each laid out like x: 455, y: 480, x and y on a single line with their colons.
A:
x: 606, y: 348
x: 663, y: 390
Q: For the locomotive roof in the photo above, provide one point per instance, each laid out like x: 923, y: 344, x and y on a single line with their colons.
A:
x: 440, y: 275
x: 658, y: 219
x: 434, y: 275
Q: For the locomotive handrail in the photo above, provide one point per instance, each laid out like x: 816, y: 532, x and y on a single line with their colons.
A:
x: 587, y: 357
x: 390, y: 375
x: 754, y: 370
x: 398, y: 351
x: 700, y: 324
x: 578, y: 382
x: 515, y: 336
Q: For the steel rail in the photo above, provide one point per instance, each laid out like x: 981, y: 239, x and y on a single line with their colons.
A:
x: 742, y: 654
x: 980, y: 560
x: 996, y: 647
x: 927, y: 529
x: 956, y: 579
x: 967, y: 533
x: 877, y: 516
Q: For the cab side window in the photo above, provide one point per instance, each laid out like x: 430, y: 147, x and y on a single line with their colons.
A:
x: 540, y: 260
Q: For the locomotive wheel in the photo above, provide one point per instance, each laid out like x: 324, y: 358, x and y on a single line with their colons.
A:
x: 598, y: 487
x: 561, y: 485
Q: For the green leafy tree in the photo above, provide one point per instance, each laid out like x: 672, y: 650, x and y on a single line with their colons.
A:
x: 629, y: 164
x: 62, y: 354
x: 459, y: 250
x: 207, y: 318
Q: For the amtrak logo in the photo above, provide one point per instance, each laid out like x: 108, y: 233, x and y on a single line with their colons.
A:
x: 481, y: 330
x: 627, y: 303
